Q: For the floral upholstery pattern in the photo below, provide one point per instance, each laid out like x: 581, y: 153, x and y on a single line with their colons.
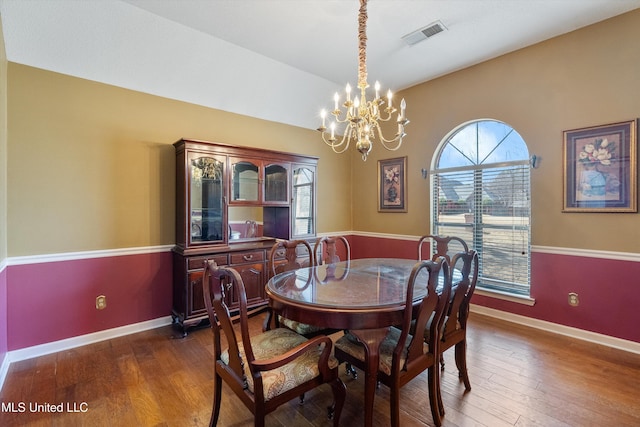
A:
x: 301, y: 328
x: 349, y: 344
x: 274, y: 343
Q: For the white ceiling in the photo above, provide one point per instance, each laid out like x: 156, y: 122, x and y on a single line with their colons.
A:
x: 278, y: 60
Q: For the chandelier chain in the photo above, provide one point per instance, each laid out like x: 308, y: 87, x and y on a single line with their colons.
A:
x: 362, y: 45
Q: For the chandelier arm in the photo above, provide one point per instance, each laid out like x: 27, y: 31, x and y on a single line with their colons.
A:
x: 345, y: 120
x: 336, y: 146
x: 386, y: 119
x: 397, y: 139
x: 388, y: 148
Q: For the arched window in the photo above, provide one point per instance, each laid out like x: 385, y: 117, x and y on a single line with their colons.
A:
x: 481, y: 193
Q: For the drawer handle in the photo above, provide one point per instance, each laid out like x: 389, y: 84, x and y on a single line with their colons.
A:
x: 247, y: 257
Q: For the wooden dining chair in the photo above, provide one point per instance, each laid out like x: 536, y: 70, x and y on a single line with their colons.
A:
x: 454, y: 330
x: 443, y: 246
x: 287, y: 255
x: 326, y: 250
x: 404, y: 356
x: 268, y: 369
x: 464, y: 272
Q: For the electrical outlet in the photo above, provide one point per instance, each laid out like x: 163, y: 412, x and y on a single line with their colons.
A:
x: 101, y: 302
x: 573, y: 299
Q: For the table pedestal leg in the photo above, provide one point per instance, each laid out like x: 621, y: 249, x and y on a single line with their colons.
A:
x: 371, y: 339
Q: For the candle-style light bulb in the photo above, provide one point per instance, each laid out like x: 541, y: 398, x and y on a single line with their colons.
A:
x: 403, y: 105
x: 377, y: 86
x: 323, y: 114
x: 389, y: 97
x: 348, y: 90
x: 333, y: 128
x: 336, y: 98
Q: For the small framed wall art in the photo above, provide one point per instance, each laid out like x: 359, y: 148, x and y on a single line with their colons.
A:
x: 600, y: 168
x: 392, y: 185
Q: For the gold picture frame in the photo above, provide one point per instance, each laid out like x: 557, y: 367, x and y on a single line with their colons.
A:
x: 392, y: 185
x: 600, y: 169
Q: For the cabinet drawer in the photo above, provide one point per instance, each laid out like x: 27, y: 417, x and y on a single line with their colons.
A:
x: 280, y: 254
x: 301, y: 252
x: 197, y: 262
x: 244, y: 257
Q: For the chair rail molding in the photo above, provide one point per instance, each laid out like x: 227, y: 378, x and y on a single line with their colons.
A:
x: 590, y: 253
x: 73, y: 256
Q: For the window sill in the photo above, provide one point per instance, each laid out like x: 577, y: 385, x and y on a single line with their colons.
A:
x: 520, y: 299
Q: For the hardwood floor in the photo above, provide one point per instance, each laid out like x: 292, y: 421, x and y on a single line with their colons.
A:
x: 519, y: 377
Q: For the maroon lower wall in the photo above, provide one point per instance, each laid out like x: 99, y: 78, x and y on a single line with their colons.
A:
x: 53, y: 301
x: 376, y: 247
x: 608, y: 293
x: 608, y: 289
x: 3, y: 317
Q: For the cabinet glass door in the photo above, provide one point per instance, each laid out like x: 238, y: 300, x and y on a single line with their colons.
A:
x: 245, y: 181
x: 207, y: 210
x: 276, y: 183
x: 303, y: 223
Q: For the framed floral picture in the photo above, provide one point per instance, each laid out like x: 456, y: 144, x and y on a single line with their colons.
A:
x: 600, y: 169
x: 392, y: 185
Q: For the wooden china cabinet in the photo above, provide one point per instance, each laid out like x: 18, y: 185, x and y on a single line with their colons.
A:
x: 232, y: 203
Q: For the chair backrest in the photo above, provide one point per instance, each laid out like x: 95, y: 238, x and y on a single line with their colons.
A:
x: 442, y: 246
x: 217, y: 281
x: 466, y: 263
x: 433, y: 304
x: 326, y: 250
x: 296, y: 253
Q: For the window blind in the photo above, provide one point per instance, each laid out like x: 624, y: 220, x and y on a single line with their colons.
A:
x: 489, y: 207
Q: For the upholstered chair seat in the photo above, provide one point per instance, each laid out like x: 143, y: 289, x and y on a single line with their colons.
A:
x: 350, y: 345
x: 301, y: 328
x: 275, y: 343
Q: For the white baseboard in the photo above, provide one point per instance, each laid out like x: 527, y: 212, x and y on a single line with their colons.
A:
x: 79, y: 341
x: 73, y: 342
x: 555, y: 328
x: 4, y: 369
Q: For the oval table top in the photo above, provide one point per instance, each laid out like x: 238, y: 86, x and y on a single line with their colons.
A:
x: 362, y: 293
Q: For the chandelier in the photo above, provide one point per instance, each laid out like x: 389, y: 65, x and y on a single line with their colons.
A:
x: 361, y: 116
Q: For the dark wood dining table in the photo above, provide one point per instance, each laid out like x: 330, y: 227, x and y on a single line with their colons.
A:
x: 365, y: 296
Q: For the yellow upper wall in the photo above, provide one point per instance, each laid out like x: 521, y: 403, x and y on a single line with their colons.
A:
x: 3, y: 148
x: 585, y: 78
x: 91, y: 166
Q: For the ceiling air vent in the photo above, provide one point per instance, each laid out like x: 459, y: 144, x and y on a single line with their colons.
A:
x: 424, y: 33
